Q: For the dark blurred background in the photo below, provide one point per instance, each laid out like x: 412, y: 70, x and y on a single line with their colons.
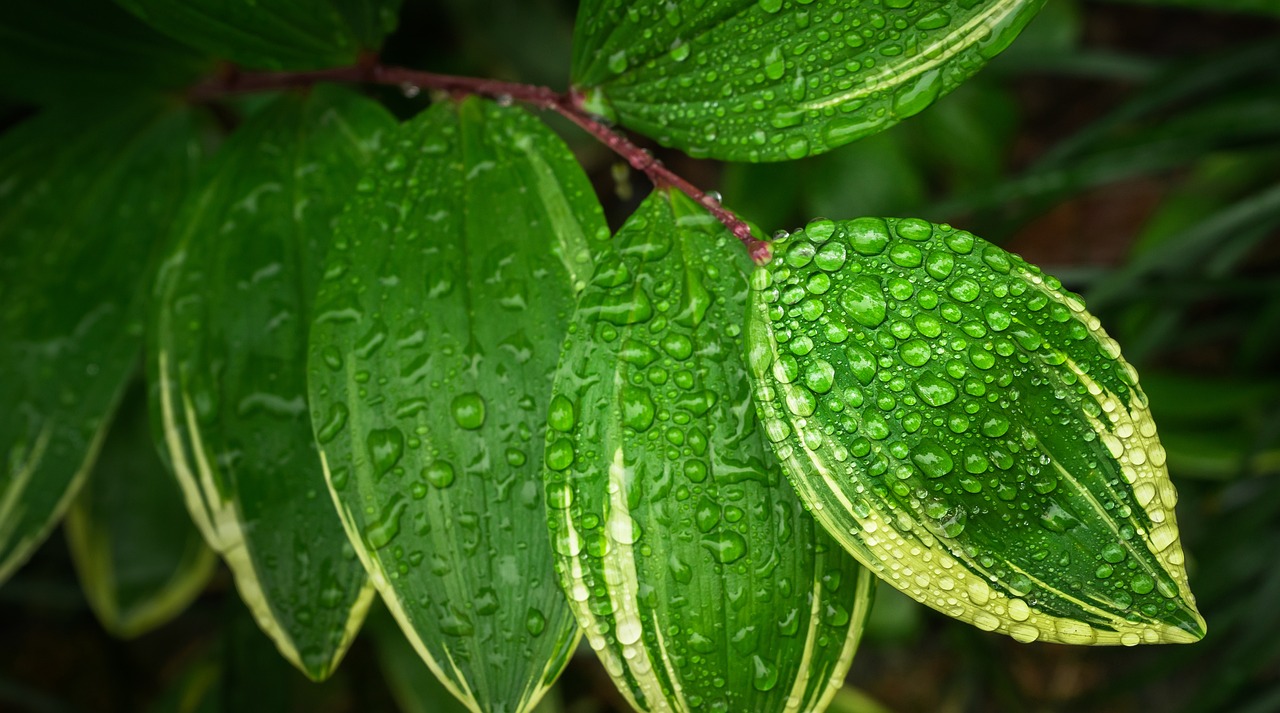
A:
x: 1132, y: 149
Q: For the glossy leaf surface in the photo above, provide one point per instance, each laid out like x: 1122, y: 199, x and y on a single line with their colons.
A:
x: 139, y: 558
x: 699, y: 579
x: 274, y: 34
x: 964, y: 427
x: 81, y: 207
x: 771, y: 80
x: 449, y: 288
x: 228, y: 356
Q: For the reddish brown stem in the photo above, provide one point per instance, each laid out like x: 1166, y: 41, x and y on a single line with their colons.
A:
x: 567, y: 104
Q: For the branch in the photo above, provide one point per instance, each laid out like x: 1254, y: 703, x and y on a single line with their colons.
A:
x: 568, y: 105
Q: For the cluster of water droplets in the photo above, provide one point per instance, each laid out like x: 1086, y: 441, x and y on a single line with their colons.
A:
x: 680, y: 545
x: 974, y: 429
x: 775, y: 79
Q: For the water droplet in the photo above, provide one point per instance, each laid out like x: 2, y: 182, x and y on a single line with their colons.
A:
x: 819, y: 376
x: 997, y: 317
x: 861, y: 363
x: 764, y: 674
x: 334, y: 424
x: 830, y: 257
x: 905, y: 255
x: 934, y: 390
x: 1142, y: 583
x: 801, y: 402
x: 939, y: 264
x: 535, y: 622
x: 560, y: 454
x: 965, y: 289
x: 995, y: 426
x: 678, y: 346
x: 774, y: 66
x: 637, y: 408
x: 560, y: 414
x: 820, y: 230
x: 726, y: 547
x: 915, y: 352
x: 439, y: 473
x: 933, y: 459
x: 386, y: 445
x: 382, y: 531
x: 865, y: 301
x: 868, y: 236
x: 468, y: 410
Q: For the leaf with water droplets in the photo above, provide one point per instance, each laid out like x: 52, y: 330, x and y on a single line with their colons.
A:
x: 80, y: 208
x: 699, y: 579
x: 771, y: 80
x: 139, y: 558
x: 448, y: 290
x: 274, y: 34
x: 980, y: 444
x: 227, y: 359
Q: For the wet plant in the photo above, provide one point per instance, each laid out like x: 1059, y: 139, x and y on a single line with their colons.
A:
x: 398, y: 353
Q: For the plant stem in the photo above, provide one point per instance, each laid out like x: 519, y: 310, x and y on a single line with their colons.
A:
x: 567, y: 104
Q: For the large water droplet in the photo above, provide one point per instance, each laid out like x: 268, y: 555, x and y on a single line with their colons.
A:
x: 864, y: 300
x: 868, y: 236
x: 637, y: 408
x: 468, y: 410
x: 935, y: 390
x: 726, y: 547
x: 386, y: 445
x: 932, y: 459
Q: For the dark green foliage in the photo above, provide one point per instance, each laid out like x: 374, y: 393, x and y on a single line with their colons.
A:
x: 274, y: 34
x: 370, y: 345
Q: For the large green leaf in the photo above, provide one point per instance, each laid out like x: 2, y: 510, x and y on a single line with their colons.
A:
x: 966, y: 429
x: 274, y: 34
x: 769, y: 80
x: 228, y: 351
x: 81, y: 205
x: 448, y: 291
x: 698, y: 577
x: 139, y: 558
x: 80, y: 49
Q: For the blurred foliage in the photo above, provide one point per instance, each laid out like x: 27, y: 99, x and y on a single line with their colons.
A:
x: 1132, y: 148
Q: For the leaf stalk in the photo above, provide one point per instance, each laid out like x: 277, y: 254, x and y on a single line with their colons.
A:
x: 567, y: 104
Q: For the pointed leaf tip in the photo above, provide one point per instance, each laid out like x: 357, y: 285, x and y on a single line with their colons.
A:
x: 964, y: 427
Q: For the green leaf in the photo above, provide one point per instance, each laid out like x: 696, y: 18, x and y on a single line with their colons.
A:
x: 228, y: 365
x: 448, y: 292
x: 694, y: 570
x: 59, y: 50
x: 81, y: 204
x: 274, y: 34
x: 139, y: 558
x: 967, y: 430
x: 770, y: 80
